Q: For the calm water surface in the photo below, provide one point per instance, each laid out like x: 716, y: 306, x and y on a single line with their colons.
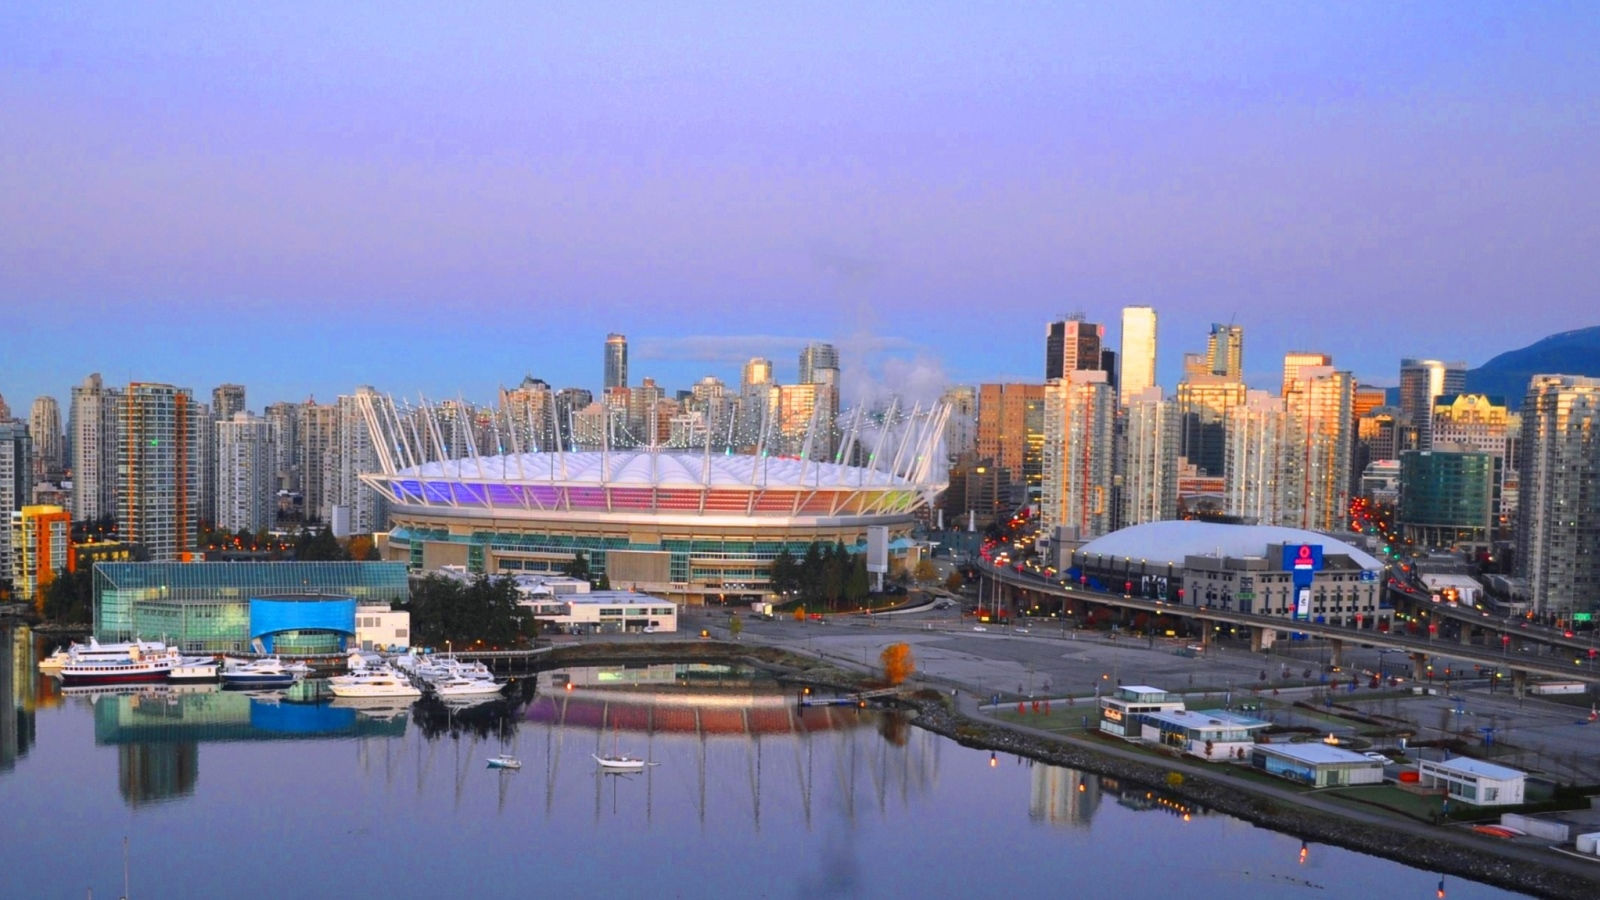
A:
x: 239, y: 795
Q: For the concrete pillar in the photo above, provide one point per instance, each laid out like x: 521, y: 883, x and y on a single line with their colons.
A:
x: 1205, y: 635
x: 1261, y: 639
x: 1419, y: 666
x: 1519, y: 683
x: 1336, y: 651
x: 1466, y: 634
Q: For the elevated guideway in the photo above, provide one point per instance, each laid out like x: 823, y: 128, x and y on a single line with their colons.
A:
x: 1263, y: 631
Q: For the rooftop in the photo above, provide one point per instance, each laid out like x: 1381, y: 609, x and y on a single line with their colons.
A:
x: 1477, y: 767
x: 1188, y: 718
x: 1167, y: 543
x: 675, y: 469
x: 1317, y: 754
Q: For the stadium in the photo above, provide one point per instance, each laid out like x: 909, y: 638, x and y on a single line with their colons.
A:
x: 692, y: 526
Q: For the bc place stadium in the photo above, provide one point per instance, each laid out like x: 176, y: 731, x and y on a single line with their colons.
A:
x: 694, y: 526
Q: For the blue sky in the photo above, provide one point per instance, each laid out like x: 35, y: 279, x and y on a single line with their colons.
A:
x: 439, y: 199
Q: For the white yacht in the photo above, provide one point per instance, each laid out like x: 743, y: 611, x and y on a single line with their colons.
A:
x: 196, y: 668
x: 447, y: 688
x: 270, y: 672
x: 384, y: 682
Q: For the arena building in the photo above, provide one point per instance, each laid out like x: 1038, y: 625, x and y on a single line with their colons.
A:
x: 690, y: 526
x: 1259, y: 569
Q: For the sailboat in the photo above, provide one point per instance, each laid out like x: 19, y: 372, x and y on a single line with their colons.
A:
x: 620, y: 762
x: 504, y: 760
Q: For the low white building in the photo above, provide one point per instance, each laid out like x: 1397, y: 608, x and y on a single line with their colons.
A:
x: 1473, y: 781
x: 382, y: 628
x: 1122, y: 713
x: 609, y: 612
x: 1211, y: 735
x: 544, y: 587
x: 1319, y: 765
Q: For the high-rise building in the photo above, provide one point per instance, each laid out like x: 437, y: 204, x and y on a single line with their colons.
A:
x: 357, y: 455
x: 246, y: 473
x: 16, y: 482
x: 1482, y: 424
x: 755, y: 381
x: 1194, y: 366
x: 1203, y: 404
x: 570, y: 401
x: 44, y: 426
x: 1138, y: 365
x: 1558, y: 510
x: 1072, y: 345
x: 285, y: 421
x: 1319, y: 403
x: 1225, y: 351
x: 527, y: 417
x: 1149, y: 489
x: 40, y: 536
x: 93, y: 422
x: 819, y: 364
x: 1368, y: 398
x: 226, y: 399
x: 1011, y: 429
x: 1078, y: 458
x: 1422, y: 381
x: 1258, y: 442
x: 161, y: 469
x: 317, y: 458
x: 961, y: 429
x: 1297, y: 360
x: 712, y: 400
x: 616, y: 361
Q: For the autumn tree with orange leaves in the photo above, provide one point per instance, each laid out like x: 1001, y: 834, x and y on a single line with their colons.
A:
x: 897, y: 663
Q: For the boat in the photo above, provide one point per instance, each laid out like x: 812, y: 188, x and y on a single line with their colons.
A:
x: 620, y: 762
x: 195, y: 668
x: 55, y: 661
x: 504, y: 761
x: 448, y: 688
x: 129, y: 663
x: 382, y: 682
x: 270, y: 672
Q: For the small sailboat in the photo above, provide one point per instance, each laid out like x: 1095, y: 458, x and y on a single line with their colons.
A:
x: 504, y: 761
x: 620, y: 762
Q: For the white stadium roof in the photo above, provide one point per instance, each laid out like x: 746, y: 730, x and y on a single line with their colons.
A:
x: 644, y: 468
x: 1169, y: 542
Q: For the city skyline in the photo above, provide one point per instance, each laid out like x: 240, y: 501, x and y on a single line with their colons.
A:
x: 407, y: 198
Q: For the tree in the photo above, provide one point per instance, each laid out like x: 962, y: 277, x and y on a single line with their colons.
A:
x: 858, y: 584
x: 955, y: 582
x: 69, y: 598
x: 926, y: 571
x: 784, y: 575
x: 361, y: 547
x: 835, y: 572
x: 811, y: 574
x: 897, y: 663
x: 577, y: 567
x: 735, y: 626
x: 318, y: 546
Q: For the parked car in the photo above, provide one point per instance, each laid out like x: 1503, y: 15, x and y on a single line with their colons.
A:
x: 1378, y: 757
x: 979, y: 628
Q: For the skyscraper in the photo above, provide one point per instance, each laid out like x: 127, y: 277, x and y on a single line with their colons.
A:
x: 246, y: 473
x: 44, y: 426
x: 161, y: 469
x: 819, y: 364
x: 16, y: 482
x: 40, y: 536
x: 1558, y: 514
x: 285, y: 421
x: 226, y: 399
x: 961, y: 429
x: 1078, y: 465
x: 1320, y: 402
x: 1225, y: 351
x: 94, y: 417
x: 1203, y: 404
x: 1295, y: 361
x: 357, y: 455
x: 1149, y: 491
x: 616, y: 361
x: 1422, y: 381
x: 1257, y: 446
x: 1071, y: 345
x: 1138, y: 352
x: 1011, y: 429
x: 317, y: 455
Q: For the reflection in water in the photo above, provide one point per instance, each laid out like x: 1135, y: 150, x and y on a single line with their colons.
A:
x: 17, y: 674
x: 1063, y: 797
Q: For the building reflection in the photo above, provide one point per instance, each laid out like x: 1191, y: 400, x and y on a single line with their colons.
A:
x: 1142, y: 799
x: 1063, y: 797
x: 157, y: 730
x: 17, y: 675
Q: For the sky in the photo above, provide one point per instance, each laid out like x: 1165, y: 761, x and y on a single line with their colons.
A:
x: 440, y: 198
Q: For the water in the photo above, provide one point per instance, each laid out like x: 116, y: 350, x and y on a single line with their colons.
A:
x: 231, y: 794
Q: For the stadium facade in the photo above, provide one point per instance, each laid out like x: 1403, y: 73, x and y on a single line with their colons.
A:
x: 693, y: 526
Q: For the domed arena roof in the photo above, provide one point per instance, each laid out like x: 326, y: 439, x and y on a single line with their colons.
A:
x: 1167, y: 543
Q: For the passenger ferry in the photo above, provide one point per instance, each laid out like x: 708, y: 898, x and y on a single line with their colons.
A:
x: 127, y: 663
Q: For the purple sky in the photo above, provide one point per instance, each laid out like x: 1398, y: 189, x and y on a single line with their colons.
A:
x: 442, y: 197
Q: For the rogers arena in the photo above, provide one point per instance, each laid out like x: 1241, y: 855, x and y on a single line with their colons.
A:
x: 692, y: 526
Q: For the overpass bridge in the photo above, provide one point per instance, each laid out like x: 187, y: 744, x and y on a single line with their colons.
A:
x: 1491, y: 630
x: 1263, y: 631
